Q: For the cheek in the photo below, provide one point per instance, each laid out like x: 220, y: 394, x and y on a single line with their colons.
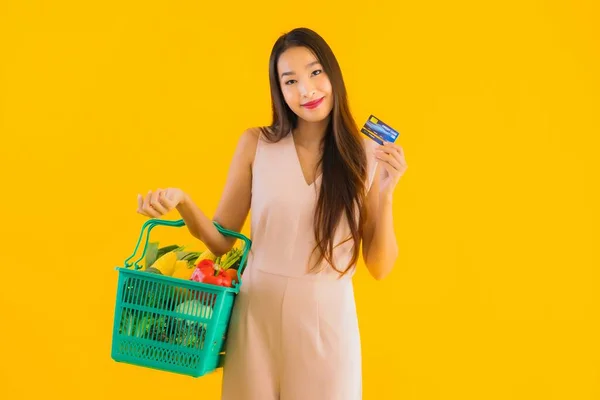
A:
x: 325, y: 85
x: 329, y: 103
x: 289, y: 95
x: 325, y: 88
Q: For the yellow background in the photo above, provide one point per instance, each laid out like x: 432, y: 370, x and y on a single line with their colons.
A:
x: 496, y: 291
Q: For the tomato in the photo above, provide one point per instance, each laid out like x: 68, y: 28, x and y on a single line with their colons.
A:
x: 232, y: 274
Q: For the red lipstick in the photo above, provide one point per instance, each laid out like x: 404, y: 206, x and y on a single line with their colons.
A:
x: 313, y: 104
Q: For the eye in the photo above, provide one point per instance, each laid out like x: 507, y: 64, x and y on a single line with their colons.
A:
x: 317, y: 72
x: 290, y: 82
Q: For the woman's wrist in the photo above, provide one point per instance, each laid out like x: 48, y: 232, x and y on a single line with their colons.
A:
x: 386, y: 198
x: 183, y: 202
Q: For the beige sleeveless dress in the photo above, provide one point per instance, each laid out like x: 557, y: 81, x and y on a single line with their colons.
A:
x: 293, y: 333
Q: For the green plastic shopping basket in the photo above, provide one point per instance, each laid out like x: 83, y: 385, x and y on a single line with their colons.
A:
x: 168, y: 323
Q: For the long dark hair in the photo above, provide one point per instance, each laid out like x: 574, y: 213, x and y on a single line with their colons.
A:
x: 343, y: 161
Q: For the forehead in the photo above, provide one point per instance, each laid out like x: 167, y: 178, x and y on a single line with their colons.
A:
x: 295, y: 58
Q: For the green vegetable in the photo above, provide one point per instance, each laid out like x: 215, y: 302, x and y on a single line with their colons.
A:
x: 153, y: 270
x: 142, y: 326
x: 127, y: 323
x: 163, y: 328
x: 232, y: 258
x: 194, y: 308
x: 189, y: 256
x: 151, y: 254
x: 164, y: 250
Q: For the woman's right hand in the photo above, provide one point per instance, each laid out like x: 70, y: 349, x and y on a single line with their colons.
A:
x: 159, y: 202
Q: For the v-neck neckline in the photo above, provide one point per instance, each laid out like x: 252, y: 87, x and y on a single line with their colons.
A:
x: 299, y: 164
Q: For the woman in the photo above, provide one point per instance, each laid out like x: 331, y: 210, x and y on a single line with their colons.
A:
x: 310, y: 181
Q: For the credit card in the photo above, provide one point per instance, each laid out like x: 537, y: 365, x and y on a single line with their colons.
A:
x: 378, y: 131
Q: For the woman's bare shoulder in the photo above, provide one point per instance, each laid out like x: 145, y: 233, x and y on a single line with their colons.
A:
x: 248, y: 142
x: 251, y: 135
x: 253, y: 132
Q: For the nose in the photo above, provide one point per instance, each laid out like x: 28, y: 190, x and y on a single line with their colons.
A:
x: 307, y: 90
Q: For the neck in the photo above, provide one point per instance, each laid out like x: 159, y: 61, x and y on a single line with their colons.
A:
x: 310, y: 134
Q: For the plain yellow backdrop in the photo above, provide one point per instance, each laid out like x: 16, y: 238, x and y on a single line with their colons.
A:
x: 496, y: 291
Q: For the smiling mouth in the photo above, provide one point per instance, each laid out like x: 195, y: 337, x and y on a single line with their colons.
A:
x: 313, y: 104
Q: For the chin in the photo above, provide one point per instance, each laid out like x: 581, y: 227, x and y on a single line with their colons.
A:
x: 317, y: 115
x: 312, y: 117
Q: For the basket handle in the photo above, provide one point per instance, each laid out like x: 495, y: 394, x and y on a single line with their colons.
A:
x: 247, y: 245
x: 151, y: 223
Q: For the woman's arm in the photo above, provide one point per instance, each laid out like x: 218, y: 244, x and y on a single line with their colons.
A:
x: 234, y: 205
x: 380, y: 247
x: 233, y: 208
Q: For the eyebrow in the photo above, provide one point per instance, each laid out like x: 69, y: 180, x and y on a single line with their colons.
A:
x: 307, y: 66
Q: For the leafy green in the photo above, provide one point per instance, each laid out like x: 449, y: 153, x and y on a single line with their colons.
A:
x: 189, y: 256
x: 162, y: 328
x: 232, y: 258
x: 165, y: 249
x: 151, y: 253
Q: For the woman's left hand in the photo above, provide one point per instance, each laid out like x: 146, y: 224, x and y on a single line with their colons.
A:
x: 391, y: 157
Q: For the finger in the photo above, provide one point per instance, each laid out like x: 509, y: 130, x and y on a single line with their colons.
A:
x: 387, y: 146
x: 155, y: 203
x: 140, y: 208
x: 147, y: 207
x: 142, y: 212
x: 400, y: 151
x: 164, y: 200
x: 389, y: 159
x: 399, y: 156
x: 149, y: 212
x: 153, y: 213
x: 394, y: 146
x: 395, y: 151
x: 390, y: 145
x: 391, y: 171
x: 140, y: 202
